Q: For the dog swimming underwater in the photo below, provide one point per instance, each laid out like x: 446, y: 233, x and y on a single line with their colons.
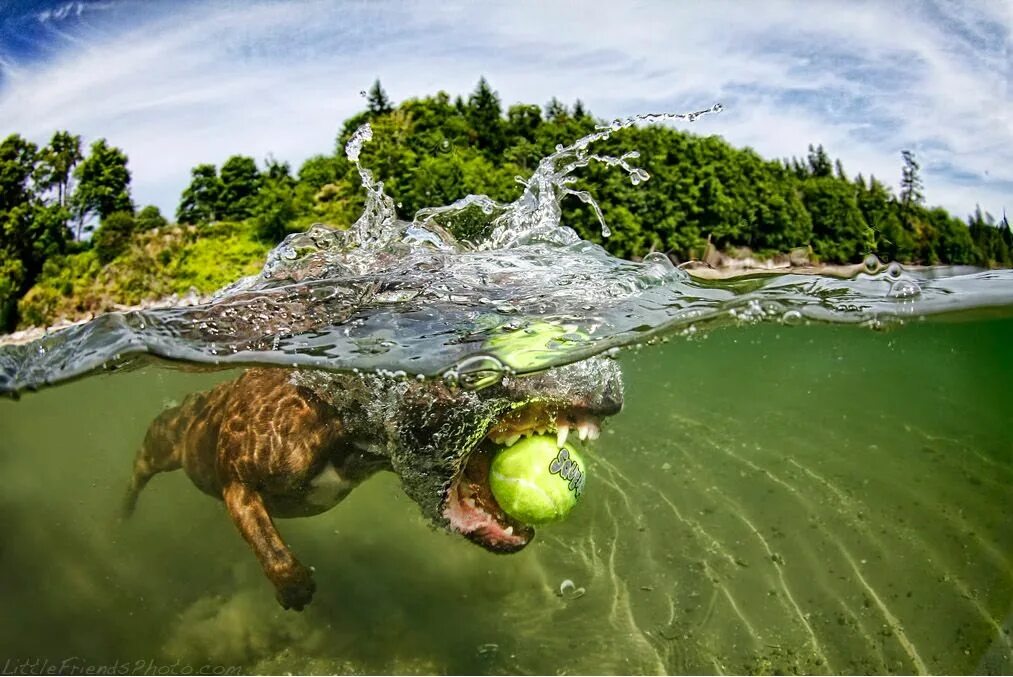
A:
x: 279, y: 443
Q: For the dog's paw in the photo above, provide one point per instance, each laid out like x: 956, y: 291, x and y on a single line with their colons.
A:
x: 295, y: 588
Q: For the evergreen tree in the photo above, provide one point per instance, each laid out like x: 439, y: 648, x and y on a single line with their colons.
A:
x: 819, y: 162
x: 910, y: 181
x: 578, y: 110
x: 484, y: 114
x: 377, y: 102
x: 555, y: 110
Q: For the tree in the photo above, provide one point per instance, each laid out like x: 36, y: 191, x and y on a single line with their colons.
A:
x: 819, y: 162
x: 318, y: 171
x: 17, y: 166
x: 240, y: 183
x: 113, y: 235
x: 103, y: 184
x: 840, y: 233
x: 150, y: 218
x: 201, y: 200
x: 31, y: 231
x: 555, y: 110
x: 578, y: 110
x: 276, y: 204
x: 377, y: 101
x: 893, y: 241
x: 58, y: 161
x: 992, y: 243
x: 910, y: 181
x: 484, y: 113
x: 523, y: 121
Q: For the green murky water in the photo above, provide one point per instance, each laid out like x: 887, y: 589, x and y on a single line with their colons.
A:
x: 773, y: 499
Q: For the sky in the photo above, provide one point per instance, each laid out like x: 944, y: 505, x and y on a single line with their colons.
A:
x: 177, y: 83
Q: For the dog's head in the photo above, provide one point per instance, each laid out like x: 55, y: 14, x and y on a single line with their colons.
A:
x: 440, y: 439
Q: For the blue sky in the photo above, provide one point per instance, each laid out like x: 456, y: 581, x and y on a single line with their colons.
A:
x: 178, y: 83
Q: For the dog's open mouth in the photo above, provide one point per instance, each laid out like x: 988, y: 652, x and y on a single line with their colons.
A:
x: 470, y: 506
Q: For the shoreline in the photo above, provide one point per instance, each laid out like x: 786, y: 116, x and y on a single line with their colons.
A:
x: 29, y: 334
x: 716, y: 267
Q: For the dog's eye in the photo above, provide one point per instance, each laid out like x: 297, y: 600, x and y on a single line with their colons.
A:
x: 480, y: 371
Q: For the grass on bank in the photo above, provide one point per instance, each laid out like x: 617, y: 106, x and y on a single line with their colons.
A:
x: 174, y: 259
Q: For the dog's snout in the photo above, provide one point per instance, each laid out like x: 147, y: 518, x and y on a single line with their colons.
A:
x: 611, y: 398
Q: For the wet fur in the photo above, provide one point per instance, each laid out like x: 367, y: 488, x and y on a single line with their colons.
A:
x: 259, y: 442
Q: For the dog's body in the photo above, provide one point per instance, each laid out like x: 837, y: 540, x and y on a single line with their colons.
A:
x: 278, y: 443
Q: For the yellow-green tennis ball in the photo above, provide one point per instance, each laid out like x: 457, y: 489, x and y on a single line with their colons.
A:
x: 537, y: 481
x: 533, y: 346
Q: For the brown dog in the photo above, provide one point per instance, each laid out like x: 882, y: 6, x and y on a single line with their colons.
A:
x: 283, y: 443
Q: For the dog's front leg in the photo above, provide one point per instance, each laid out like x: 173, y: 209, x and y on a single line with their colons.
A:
x: 293, y: 582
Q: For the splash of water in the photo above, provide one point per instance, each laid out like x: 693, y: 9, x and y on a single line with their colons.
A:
x: 404, y: 298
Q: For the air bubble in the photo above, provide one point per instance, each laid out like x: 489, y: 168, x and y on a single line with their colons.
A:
x: 568, y: 590
x: 904, y: 289
x: 792, y: 318
x: 475, y: 373
x: 659, y: 259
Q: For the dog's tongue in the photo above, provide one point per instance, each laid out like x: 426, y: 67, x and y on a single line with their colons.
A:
x: 473, y: 511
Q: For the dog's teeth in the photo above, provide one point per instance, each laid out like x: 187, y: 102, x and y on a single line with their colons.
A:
x: 582, y: 431
x: 561, y: 435
x: 510, y: 441
x: 593, y: 431
x: 509, y: 531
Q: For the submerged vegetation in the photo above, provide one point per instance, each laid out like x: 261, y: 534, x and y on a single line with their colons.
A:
x: 704, y: 195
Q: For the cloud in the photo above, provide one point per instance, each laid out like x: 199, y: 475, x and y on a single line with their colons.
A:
x: 203, y: 81
x: 70, y: 10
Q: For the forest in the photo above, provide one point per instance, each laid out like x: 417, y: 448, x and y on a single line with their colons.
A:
x: 73, y: 241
